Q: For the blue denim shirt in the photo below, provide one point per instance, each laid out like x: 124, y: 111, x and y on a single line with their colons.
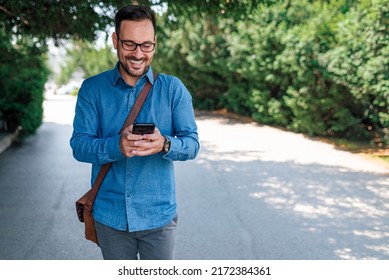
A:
x: 138, y: 193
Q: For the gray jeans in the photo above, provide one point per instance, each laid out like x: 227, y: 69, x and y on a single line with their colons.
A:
x: 154, y: 244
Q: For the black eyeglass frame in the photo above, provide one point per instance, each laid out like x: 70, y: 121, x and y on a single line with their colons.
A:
x: 125, y: 47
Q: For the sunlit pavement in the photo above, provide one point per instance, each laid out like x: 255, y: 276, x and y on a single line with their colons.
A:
x: 254, y: 192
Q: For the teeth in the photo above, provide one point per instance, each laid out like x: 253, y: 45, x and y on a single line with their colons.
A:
x: 139, y: 62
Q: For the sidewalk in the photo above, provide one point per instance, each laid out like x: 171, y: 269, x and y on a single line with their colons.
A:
x: 54, y: 113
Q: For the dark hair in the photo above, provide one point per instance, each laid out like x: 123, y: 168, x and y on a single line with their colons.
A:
x: 135, y: 13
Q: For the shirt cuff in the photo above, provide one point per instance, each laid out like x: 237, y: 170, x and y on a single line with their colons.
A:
x: 114, y: 151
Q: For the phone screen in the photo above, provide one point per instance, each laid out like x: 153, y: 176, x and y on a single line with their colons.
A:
x: 143, y: 128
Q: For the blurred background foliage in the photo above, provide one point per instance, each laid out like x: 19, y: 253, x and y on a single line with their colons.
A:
x: 311, y: 66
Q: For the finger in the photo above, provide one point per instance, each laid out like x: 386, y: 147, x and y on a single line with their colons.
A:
x: 144, y: 152
x: 143, y: 144
x: 131, y: 151
x: 133, y: 137
x: 155, y: 136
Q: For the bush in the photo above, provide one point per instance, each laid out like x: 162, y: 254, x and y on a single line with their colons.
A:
x: 316, y: 67
x: 197, y: 57
x: 360, y: 63
x: 23, y: 74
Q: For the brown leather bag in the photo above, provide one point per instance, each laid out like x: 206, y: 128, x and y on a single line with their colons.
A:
x: 84, y: 205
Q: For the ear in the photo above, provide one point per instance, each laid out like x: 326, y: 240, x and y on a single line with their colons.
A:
x: 115, y: 40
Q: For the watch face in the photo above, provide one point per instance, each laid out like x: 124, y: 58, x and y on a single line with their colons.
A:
x: 166, y: 145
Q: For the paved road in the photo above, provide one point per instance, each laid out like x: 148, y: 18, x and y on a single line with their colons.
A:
x: 254, y: 192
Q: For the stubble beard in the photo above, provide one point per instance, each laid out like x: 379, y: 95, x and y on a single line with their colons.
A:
x: 134, y: 73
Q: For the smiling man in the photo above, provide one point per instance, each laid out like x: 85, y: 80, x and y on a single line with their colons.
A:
x: 135, y: 208
x: 134, y: 57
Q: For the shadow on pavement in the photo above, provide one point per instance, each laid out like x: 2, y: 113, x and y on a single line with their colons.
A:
x: 230, y: 207
x: 257, y: 209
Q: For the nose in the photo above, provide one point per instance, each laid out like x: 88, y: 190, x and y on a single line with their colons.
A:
x: 137, y: 52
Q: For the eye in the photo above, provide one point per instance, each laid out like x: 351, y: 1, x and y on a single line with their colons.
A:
x: 147, y: 47
x: 129, y: 44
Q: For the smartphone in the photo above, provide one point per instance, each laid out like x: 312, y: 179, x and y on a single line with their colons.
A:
x: 143, y: 128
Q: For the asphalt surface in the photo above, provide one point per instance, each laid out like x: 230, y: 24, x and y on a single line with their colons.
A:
x: 254, y: 192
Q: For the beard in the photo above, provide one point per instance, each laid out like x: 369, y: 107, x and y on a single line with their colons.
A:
x: 134, y: 67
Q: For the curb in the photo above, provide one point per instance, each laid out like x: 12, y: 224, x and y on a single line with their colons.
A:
x: 7, y: 139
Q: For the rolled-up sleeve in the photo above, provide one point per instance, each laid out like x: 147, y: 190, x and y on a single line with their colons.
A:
x: 184, y: 141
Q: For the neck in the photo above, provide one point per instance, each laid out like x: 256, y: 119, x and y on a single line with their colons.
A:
x: 128, y: 78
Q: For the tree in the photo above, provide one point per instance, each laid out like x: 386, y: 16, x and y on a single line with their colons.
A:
x: 316, y: 67
x: 25, y: 27
x: 83, y: 19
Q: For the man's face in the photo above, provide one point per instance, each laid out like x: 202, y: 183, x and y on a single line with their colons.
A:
x: 133, y: 64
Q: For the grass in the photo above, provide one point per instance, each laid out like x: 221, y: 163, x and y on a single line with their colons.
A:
x: 384, y: 158
x: 379, y: 153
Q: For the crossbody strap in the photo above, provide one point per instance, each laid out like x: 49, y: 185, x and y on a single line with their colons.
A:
x: 130, y: 120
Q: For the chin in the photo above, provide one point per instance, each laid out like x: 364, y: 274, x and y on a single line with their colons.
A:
x: 137, y: 73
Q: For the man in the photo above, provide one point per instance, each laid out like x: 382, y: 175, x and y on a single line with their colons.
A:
x: 135, y: 208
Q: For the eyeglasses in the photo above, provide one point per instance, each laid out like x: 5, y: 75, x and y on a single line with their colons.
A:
x: 129, y: 45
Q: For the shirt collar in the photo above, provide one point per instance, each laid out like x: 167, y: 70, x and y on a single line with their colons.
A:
x: 116, y: 75
x: 149, y: 75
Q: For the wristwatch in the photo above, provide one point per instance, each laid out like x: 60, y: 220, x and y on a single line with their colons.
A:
x: 166, y: 144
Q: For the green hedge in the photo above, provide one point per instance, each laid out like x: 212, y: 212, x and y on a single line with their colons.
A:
x: 23, y: 73
x: 317, y: 67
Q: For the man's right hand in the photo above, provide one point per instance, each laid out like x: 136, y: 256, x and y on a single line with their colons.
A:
x: 127, y: 140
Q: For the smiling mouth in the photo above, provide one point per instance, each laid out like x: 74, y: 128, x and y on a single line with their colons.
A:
x: 136, y: 62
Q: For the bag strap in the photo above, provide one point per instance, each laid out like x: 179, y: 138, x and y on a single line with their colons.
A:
x: 130, y: 120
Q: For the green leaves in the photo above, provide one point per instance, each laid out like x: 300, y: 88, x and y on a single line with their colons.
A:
x: 22, y: 77
x: 318, y: 67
